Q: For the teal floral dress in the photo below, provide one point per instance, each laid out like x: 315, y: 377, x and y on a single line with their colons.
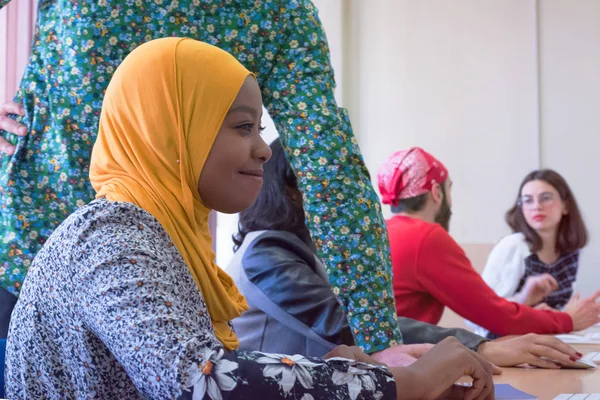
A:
x: 79, y: 44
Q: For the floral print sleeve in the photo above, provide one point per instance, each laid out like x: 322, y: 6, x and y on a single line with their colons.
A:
x: 77, y: 45
x: 342, y: 209
x: 110, y: 310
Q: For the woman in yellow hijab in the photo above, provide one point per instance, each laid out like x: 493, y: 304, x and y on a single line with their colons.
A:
x: 152, y: 153
x: 125, y: 300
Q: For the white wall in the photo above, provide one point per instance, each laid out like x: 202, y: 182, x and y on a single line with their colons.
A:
x: 457, y: 78
x: 570, y: 117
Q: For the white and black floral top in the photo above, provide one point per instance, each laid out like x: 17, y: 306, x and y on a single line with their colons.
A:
x: 109, y: 310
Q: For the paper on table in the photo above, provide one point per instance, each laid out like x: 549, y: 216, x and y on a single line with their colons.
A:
x: 504, y: 391
x: 581, y: 396
x: 586, y: 338
x: 593, y: 356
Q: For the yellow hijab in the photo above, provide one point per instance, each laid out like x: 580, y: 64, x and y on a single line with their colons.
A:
x: 161, y: 114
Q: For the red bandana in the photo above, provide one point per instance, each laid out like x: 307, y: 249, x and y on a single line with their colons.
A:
x: 409, y: 173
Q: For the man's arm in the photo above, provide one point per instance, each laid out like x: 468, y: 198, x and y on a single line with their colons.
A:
x: 415, y: 332
x: 447, y: 274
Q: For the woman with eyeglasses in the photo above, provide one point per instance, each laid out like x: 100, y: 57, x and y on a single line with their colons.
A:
x: 537, y: 265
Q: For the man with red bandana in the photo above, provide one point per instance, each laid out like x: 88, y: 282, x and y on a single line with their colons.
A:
x: 431, y: 271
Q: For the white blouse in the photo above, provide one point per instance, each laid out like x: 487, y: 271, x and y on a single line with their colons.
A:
x: 506, y: 265
x: 504, y: 269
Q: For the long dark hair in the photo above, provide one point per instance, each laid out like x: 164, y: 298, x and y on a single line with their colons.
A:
x: 279, y: 203
x: 572, y: 233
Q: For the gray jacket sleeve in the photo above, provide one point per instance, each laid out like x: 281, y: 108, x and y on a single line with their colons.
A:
x: 414, y: 332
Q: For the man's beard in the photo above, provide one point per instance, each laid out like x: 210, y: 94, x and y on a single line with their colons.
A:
x: 443, y: 216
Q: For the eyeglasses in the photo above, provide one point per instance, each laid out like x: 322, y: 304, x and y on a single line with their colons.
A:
x: 544, y: 199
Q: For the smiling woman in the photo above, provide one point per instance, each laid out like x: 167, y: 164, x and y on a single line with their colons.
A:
x: 237, y: 156
x: 132, y: 273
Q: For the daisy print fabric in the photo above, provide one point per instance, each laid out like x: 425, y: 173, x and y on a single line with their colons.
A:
x: 110, y: 310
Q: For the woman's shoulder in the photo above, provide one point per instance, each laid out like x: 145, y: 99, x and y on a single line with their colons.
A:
x: 506, y: 264
x: 515, y: 241
x: 276, y: 248
x: 113, y: 212
x: 103, y: 221
x: 100, y: 232
x: 508, y: 254
x: 280, y: 242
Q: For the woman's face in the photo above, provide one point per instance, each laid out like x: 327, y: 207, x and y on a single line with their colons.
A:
x: 542, y: 206
x: 233, y: 173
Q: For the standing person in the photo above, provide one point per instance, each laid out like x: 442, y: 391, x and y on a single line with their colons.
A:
x: 432, y: 272
x: 76, y: 48
x: 125, y: 300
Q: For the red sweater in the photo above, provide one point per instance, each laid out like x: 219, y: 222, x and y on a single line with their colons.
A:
x: 431, y: 271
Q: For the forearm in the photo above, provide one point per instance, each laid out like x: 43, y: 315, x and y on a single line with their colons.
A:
x: 415, y: 332
x: 342, y: 209
x: 519, y: 297
x: 406, y: 383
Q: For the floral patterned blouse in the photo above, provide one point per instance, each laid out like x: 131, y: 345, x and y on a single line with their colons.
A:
x: 110, y: 310
x: 78, y: 45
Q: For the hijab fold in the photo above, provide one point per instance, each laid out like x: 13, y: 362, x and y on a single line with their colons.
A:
x: 161, y: 114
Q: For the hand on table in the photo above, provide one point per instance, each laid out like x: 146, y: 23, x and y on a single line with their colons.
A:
x: 434, y: 375
x: 402, y: 355
x: 529, y: 349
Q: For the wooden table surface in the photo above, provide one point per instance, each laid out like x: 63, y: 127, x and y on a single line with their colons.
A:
x: 546, y: 384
